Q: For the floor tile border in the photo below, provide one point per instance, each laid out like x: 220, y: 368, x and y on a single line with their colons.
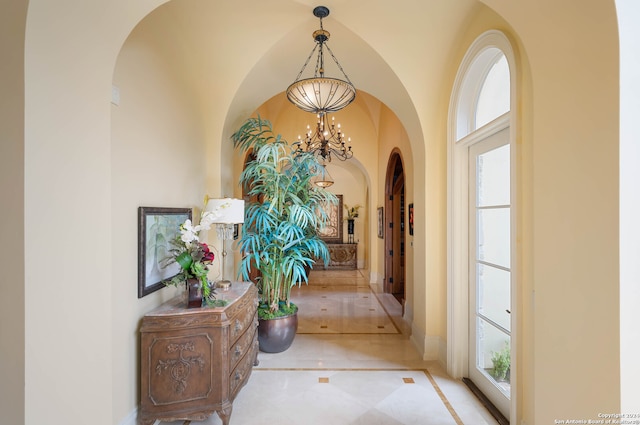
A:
x: 444, y: 399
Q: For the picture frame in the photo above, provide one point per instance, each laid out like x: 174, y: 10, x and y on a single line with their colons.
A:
x: 411, y: 219
x: 332, y: 232
x: 381, y: 222
x: 157, y: 226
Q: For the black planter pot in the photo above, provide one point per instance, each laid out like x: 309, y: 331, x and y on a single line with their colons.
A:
x: 350, y: 225
x: 276, y: 335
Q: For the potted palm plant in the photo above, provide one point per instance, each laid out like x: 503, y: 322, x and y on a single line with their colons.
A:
x: 279, y: 236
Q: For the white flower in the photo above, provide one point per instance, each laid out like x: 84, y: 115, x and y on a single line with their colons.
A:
x: 209, y: 217
x: 189, y: 233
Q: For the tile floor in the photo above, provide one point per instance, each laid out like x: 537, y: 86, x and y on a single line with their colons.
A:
x: 351, y: 363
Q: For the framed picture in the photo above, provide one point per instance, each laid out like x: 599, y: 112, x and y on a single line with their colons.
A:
x: 411, y: 219
x: 380, y: 222
x: 332, y: 232
x: 236, y: 231
x: 156, y: 228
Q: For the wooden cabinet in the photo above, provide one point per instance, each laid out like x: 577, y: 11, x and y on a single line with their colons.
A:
x: 343, y: 255
x: 193, y: 362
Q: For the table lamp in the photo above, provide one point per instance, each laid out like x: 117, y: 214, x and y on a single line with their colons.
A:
x: 230, y: 212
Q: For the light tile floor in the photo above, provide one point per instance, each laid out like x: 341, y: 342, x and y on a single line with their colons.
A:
x: 353, y: 371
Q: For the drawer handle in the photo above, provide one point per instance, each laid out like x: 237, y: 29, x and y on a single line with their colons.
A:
x: 238, y: 351
x: 238, y: 376
x: 238, y: 326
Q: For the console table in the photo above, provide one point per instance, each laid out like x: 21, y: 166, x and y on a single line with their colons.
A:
x: 343, y: 255
x: 193, y: 362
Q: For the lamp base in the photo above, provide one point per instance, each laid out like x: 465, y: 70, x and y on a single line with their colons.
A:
x: 223, y: 284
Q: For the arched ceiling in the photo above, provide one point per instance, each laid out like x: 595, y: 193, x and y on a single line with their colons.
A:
x: 237, y: 55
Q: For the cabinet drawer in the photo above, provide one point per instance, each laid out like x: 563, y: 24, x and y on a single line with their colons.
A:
x: 242, y: 322
x: 241, y: 373
x: 244, y: 343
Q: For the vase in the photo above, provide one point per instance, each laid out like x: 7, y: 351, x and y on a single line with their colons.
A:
x: 276, y: 335
x: 194, y: 293
x: 350, y: 229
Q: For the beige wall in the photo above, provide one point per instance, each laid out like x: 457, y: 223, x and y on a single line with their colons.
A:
x: 70, y: 313
x: 157, y: 159
x: 74, y: 320
x: 12, y: 298
x: 574, y: 199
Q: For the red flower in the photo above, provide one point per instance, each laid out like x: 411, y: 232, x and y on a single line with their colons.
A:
x: 207, y: 255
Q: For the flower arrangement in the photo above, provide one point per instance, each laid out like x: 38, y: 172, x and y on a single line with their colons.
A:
x: 352, y: 212
x: 193, y: 256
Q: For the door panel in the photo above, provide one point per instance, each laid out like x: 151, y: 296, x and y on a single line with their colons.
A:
x: 490, y: 277
x: 394, y: 220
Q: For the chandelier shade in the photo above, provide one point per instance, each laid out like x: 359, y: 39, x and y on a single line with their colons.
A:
x: 321, y: 94
x: 323, y: 178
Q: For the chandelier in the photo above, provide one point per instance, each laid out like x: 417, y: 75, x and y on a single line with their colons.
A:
x: 321, y: 94
x: 326, y: 140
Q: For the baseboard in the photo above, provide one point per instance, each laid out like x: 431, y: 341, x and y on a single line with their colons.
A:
x: 376, y: 278
x: 131, y: 418
x: 432, y: 348
x: 408, y: 312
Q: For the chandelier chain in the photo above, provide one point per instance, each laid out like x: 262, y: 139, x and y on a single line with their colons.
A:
x: 306, y: 62
x: 338, y: 63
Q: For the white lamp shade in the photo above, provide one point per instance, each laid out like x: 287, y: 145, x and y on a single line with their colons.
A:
x: 231, y: 211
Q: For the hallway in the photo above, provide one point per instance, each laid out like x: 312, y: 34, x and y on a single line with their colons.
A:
x: 351, y: 363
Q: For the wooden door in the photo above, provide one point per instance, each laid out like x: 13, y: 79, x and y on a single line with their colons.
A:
x: 394, y: 222
x: 397, y: 257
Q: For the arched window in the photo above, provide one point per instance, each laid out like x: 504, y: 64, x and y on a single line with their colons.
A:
x: 495, y: 94
x: 482, y: 93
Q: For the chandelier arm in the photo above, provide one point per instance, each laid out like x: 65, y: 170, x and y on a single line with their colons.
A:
x: 326, y: 139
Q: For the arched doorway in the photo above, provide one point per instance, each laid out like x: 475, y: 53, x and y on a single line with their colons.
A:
x: 394, y: 225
